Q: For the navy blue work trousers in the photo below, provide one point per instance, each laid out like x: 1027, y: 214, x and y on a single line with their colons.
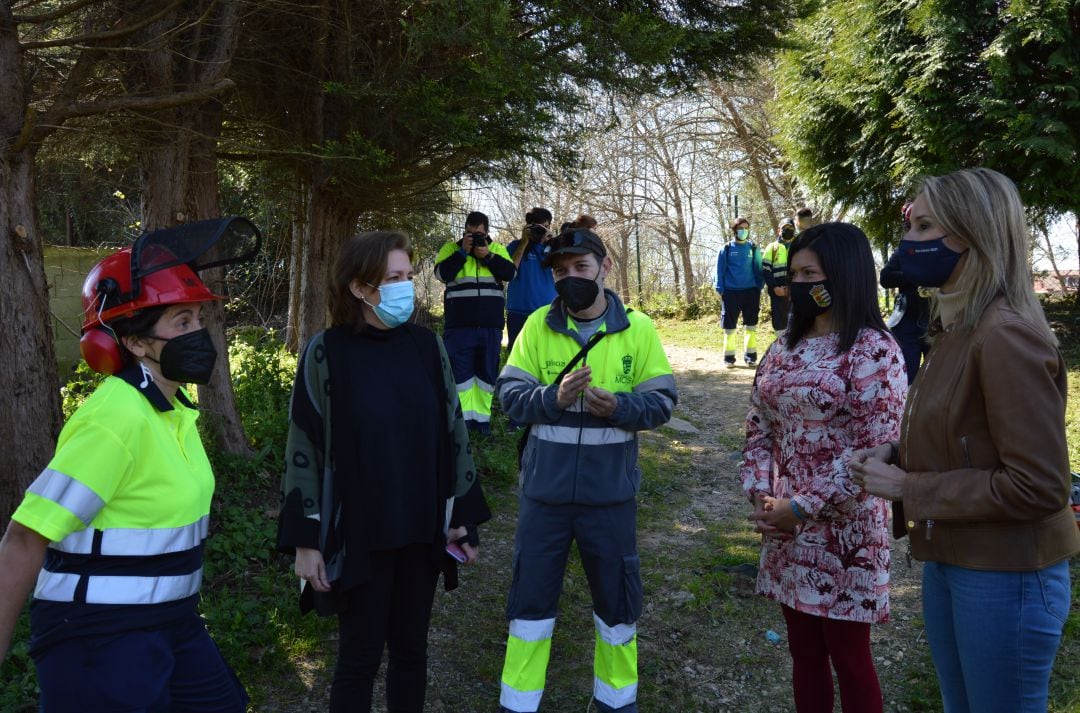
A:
x: 175, y: 669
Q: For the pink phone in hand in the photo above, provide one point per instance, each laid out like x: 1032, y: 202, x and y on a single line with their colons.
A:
x: 454, y: 550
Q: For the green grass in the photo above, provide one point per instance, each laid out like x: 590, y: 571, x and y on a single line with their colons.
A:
x: 705, y: 333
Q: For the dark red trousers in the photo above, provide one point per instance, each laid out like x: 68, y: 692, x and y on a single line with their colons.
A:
x: 814, y: 641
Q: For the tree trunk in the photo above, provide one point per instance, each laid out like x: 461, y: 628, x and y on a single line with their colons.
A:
x: 757, y: 168
x: 30, y: 416
x: 1076, y: 215
x: 330, y: 221
x: 298, y: 225
x: 622, y: 267
x: 674, y: 258
x: 180, y: 179
x: 30, y: 400
x: 217, y: 400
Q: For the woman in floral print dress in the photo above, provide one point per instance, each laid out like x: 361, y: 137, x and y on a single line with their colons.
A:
x: 833, y: 383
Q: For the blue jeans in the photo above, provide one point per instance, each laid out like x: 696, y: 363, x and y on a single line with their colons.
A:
x: 993, y: 635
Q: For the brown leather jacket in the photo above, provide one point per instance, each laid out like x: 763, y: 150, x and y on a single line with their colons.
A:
x: 983, y: 442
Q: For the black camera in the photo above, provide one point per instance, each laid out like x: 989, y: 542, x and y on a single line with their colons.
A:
x: 537, y: 232
x: 479, y: 239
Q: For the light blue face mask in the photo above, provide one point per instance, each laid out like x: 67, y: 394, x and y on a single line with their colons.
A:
x: 395, y: 303
x: 742, y: 234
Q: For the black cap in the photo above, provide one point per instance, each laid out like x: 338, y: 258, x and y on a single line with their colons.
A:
x: 578, y: 241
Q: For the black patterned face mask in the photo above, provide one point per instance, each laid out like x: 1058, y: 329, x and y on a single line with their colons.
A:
x: 810, y: 299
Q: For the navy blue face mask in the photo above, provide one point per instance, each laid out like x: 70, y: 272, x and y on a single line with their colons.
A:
x: 927, y: 263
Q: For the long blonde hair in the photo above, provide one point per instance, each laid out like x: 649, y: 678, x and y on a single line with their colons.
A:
x: 981, y: 208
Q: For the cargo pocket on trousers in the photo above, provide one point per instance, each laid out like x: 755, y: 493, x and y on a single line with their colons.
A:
x: 632, y: 594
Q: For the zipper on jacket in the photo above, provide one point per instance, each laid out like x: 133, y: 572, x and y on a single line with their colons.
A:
x: 967, y: 453
x: 929, y: 530
x: 580, y: 432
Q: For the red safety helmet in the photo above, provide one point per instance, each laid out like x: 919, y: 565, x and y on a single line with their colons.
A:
x: 159, y: 269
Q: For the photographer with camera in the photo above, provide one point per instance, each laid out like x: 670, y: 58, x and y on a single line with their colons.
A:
x: 474, y: 269
x: 533, y: 287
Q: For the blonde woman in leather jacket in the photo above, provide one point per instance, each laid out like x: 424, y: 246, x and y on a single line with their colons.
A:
x: 981, y: 468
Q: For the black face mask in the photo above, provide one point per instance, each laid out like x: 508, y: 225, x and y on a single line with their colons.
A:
x: 577, y: 293
x: 189, y: 358
x: 809, y: 299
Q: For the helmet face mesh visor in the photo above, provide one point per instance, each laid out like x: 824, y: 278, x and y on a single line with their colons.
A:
x: 201, y: 245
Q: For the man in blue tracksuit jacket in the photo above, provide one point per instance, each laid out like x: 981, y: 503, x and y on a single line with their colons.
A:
x: 532, y: 287
x: 738, y: 282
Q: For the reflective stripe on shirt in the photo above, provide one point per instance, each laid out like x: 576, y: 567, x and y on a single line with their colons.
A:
x: 480, y: 292
x: 60, y: 587
x: 135, y: 542
x: 68, y: 493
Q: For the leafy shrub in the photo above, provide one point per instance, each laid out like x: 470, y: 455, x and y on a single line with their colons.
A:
x: 262, y: 373
x: 80, y: 384
x: 668, y: 305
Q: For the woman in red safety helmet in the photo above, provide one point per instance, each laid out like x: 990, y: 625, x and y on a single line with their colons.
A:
x: 110, y: 535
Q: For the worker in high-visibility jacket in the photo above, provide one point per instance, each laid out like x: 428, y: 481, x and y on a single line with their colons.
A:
x: 112, y: 529
x: 474, y: 269
x: 774, y: 270
x: 579, y: 472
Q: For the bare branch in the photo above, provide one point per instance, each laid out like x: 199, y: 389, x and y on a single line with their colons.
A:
x: 59, y: 114
x: 103, y: 37
x: 56, y: 14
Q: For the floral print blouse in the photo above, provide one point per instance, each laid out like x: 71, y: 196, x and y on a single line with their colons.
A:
x: 809, y: 410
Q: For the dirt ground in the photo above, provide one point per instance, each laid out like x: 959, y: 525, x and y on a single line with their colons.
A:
x: 693, y: 657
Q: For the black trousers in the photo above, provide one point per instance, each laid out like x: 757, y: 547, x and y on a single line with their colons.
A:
x: 393, y: 611
x: 781, y: 310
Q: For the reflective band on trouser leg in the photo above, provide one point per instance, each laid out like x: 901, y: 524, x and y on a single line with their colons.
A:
x: 729, y: 342
x: 481, y: 398
x: 528, y: 649
x: 751, y: 340
x: 476, y: 403
x: 615, y: 664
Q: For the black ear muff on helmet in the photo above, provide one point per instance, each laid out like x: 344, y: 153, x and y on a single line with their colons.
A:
x: 101, y: 350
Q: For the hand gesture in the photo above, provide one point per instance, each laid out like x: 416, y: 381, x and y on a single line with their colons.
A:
x: 773, y: 517
x: 882, y: 453
x: 571, y: 387
x: 466, y: 243
x: 876, y: 476
x: 310, y: 566
x: 472, y: 554
x: 600, y: 402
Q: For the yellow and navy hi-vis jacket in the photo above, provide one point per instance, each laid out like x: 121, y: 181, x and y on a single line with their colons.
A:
x: 125, y: 502
x: 474, y: 287
x: 774, y: 264
x: 572, y: 456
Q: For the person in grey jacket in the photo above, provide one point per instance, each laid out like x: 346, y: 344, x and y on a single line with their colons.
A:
x: 579, y: 473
